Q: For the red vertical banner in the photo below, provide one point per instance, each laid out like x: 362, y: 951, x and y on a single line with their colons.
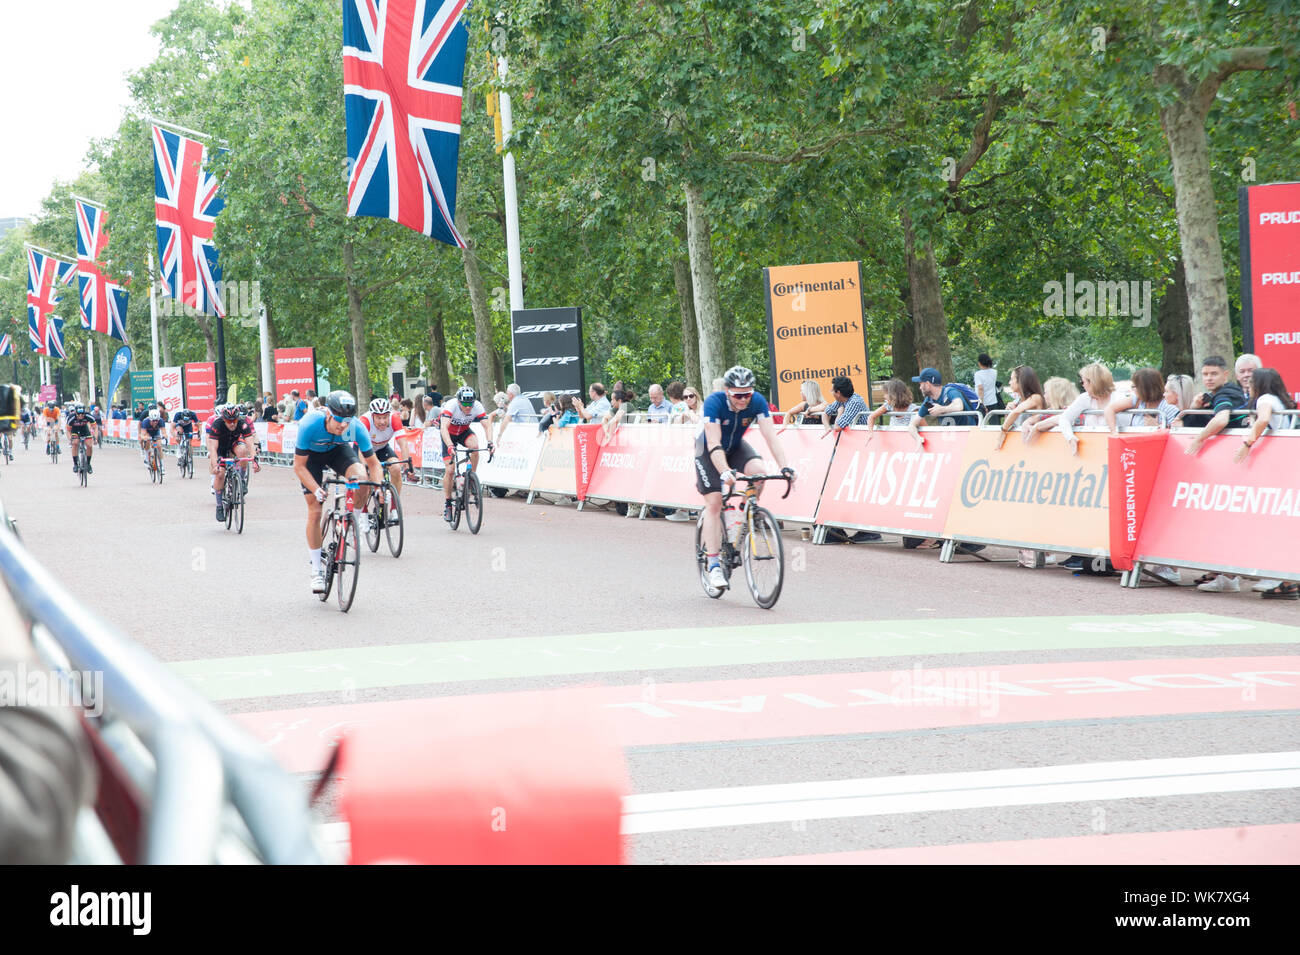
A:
x: 295, y: 369
x: 587, y: 440
x: 1269, y: 227
x: 1134, y: 462
x: 201, y: 387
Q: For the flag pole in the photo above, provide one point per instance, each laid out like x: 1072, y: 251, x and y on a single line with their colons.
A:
x: 153, y: 313
x: 90, y: 368
x: 263, y: 333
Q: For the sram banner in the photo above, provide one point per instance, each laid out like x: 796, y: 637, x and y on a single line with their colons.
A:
x: 879, y: 481
x: 1269, y: 227
x: 295, y: 370
x: 547, y: 345
x: 1212, y: 513
x: 1036, y: 495
x: 809, y: 453
x: 815, y: 328
x: 515, y: 459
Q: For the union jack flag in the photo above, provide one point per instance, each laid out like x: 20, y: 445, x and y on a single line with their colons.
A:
x: 103, y: 303
x: 186, y: 204
x: 44, y: 274
x: 403, y: 66
x: 6, y: 345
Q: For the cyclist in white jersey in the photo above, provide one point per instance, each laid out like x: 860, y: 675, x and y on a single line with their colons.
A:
x: 457, y: 417
x: 383, y: 425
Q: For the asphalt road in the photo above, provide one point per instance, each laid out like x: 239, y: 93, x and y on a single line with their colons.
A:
x: 154, y: 562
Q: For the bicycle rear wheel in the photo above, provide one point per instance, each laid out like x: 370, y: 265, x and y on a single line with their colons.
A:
x: 375, y: 510
x: 329, y: 547
x: 473, y: 502
x: 81, y: 465
x: 457, y: 506
x: 228, y: 498
x: 158, y: 462
x: 394, y: 530
x: 348, y: 563
x: 763, y: 558
x: 703, y: 560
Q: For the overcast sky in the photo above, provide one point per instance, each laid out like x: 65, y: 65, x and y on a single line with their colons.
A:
x: 63, y: 69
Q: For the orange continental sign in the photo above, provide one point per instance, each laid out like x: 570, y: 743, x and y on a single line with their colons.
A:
x: 1037, y: 495
x: 815, y: 328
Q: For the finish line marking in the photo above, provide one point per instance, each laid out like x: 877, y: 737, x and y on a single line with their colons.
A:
x: 889, y: 795
x: 343, y: 671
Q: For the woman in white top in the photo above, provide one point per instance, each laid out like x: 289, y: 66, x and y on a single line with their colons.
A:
x: 898, y: 402
x: 1145, y: 391
x: 1098, y: 385
x: 813, y: 404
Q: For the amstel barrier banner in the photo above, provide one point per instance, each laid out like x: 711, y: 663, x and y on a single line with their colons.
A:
x: 1134, y: 463
x: 1269, y: 226
x: 879, y: 481
x: 515, y: 460
x: 815, y: 328
x: 555, y: 474
x: 809, y: 453
x: 1212, y: 513
x: 1033, y: 495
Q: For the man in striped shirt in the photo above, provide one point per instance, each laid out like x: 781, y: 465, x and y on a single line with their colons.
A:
x: 847, y: 409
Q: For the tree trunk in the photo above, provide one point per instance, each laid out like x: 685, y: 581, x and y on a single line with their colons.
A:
x: 902, y: 345
x: 347, y: 358
x: 357, y: 324
x: 105, y: 372
x: 440, y: 368
x: 1175, y: 331
x: 478, y: 302
x: 1183, y: 122
x: 690, y: 333
x: 932, y: 349
x: 498, y: 372
x: 704, y: 287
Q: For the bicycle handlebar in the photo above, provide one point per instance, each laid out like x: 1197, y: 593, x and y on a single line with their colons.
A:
x: 461, y: 449
x: 757, y: 478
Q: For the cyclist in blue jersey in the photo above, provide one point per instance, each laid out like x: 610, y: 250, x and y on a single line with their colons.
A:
x: 325, y: 439
x: 721, y: 452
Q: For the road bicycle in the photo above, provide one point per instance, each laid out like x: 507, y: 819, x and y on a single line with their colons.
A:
x: 185, y: 457
x: 29, y: 432
x: 83, y: 462
x: 7, y: 446
x: 385, y: 510
x: 52, y: 447
x: 153, y: 461
x: 341, y: 547
x: 232, y: 492
x: 751, y: 539
x: 467, y: 495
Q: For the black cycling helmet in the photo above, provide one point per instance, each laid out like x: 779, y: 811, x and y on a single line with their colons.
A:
x: 738, y: 376
x: 229, y: 412
x: 341, y: 403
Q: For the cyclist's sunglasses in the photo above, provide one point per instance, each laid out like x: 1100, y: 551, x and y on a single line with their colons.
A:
x: 740, y: 395
x: 335, y: 417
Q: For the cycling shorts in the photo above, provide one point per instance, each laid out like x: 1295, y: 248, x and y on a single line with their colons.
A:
x: 460, y: 439
x: 338, y: 458
x: 707, y: 478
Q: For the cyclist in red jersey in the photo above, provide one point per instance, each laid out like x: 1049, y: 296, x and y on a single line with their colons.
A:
x: 229, y: 435
x: 457, y: 419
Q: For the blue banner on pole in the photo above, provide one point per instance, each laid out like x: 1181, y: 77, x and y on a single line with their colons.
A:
x: 121, y: 362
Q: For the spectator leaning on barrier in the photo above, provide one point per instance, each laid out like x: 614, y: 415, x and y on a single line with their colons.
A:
x: 1224, y: 399
x: 568, y: 415
x: 812, y: 404
x: 1098, y: 386
x: 1270, y: 399
x: 691, y: 404
x: 1028, y: 393
x: 659, y: 410
x: 297, y: 404
x: 519, y: 409
x: 941, y: 399
x: 846, y: 409
x: 599, y: 407
x: 1244, y: 367
x: 1179, y: 394
x: 1145, y: 391
x: 621, y: 401
x: 898, y: 402
x: 674, y: 391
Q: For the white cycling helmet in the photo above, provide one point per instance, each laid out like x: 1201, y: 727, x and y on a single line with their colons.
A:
x: 153, y: 414
x: 379, y: 406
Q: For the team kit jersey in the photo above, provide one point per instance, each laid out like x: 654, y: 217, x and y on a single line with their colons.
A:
x: 79, y: 423
x: 460, y: 419
x: 313, y: 438
x: 151, y: 427
x: 381, y: 428
x: 734, y: 424
x: 227, y: 438
x: 185, y: 420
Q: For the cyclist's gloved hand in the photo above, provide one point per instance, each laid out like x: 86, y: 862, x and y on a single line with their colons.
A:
x: 320, y: 494
x: 790, y: 473
x: 729, y: 476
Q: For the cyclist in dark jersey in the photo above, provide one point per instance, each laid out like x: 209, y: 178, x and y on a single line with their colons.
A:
x: 721, y: 451
x: 152, y: 428
x: 81, y: 428
x: 325, y: 439
x: 229, y: 435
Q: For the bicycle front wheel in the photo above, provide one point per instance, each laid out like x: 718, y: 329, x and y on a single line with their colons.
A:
x: 375, y: 510
x: 702, y: 559
x: 763, y: 558
x: 238, y: 518
x: 394, y: 529
x: 228, y: 498
x: 473, y: 502
x: 81, y: 465
x: 457, y: 506
x: 347, y: 563
x: 158, y: 462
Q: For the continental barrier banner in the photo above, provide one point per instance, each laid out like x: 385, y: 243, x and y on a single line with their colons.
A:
x: 1134, y: 463
x: 879, y: 481
x: 1212, y: 513
x: 1269, y: 227
x: 1036, y: 495
x: 815, y: 328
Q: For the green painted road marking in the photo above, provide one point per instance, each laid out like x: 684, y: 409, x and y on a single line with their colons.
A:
x: 316, y: 671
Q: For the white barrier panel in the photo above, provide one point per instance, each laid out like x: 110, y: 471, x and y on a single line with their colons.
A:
x: 517, y: 453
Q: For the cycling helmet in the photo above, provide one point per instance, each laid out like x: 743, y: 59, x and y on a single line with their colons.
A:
x: 379, y: 406
x: 738, y: 376
x: 50, y: 405
x: 341, y: 403
x: 229, y: 412
x: 465, y: 395
x: 153, y: 414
